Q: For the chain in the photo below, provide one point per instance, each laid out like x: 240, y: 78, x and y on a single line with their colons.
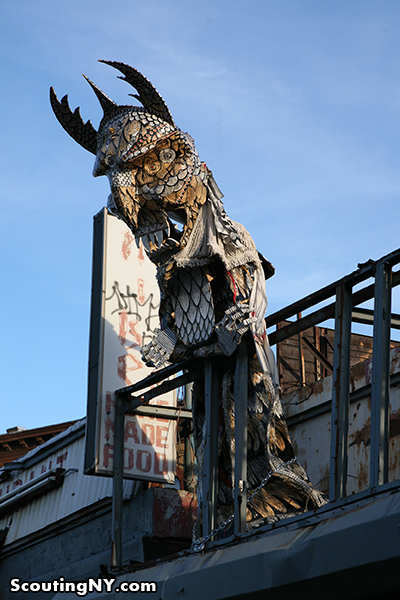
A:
x: 199, y: 544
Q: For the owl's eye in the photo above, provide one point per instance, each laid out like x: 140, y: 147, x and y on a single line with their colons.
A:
x: 167, y: 155
x: 152, y: 166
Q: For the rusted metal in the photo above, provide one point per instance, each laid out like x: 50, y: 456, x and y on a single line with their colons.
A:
x: 210, y: 470
x: 163, y: 412
x: 240, y: 392
x: 364, y: 271
x: 158, y: 376
x: 380, y: 376
x: 318, y: 355
x: 118, y: 482
x: 162, y: 388
x: 302, y: 368
x: 174, y: 513
x: 340, y: 393
x: 319, y: 316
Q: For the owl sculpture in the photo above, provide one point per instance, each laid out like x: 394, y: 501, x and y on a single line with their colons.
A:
x: 211, y: 280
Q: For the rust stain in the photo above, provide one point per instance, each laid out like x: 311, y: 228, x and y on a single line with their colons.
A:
x: 362, y: 479
x: 362, y: 435
x: 394, y: 430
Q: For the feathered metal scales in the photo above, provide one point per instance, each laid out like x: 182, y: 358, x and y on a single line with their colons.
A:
x: 211, y: 279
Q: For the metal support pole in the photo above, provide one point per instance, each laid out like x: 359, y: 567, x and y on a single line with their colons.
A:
x: 340, y: 393
x: 210, y: 468
x: 380, y: 415
x: 118, y: 481
x: 302, y: 367
x: 240, y: 392
x: 189, y: 454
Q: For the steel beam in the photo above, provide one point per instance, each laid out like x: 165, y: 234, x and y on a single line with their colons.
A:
x: 240, y: 393
x: 210, y: 469
x: 340, y: 393
x: 162, y: 412
x: 319, y: 316
x: 380, y: 377
x: 118, y: 483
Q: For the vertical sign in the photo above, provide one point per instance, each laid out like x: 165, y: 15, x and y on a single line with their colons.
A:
x: 125, y: 300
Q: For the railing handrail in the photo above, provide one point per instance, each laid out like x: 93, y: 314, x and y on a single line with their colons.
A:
x: 364, y: 271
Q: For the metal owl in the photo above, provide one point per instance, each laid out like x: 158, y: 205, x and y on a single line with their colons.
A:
x: 211, y: 279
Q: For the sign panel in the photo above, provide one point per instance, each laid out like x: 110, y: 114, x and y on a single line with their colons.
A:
x: 125, y: 300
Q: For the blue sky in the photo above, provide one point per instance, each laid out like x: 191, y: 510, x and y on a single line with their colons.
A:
x: 294, y: 105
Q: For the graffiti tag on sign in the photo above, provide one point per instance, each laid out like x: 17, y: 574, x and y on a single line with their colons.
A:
x: 130, y: 315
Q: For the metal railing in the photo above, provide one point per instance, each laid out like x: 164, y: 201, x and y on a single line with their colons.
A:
x: 344, y: 309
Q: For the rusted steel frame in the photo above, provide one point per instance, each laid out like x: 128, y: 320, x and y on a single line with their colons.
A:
x: 301, y: 355
x: 162, y: 412
x: 240, y: 394
x: 366, y: 317
x: 340, y: 393
x: 118, y: 483
x: 363, y: 272
x: 321, y: 315
x: 318, y: 355
x: 162, y: 388
x: 189, y: 466
x: 210, y: 468
x: 289, y: 369
x: 159, y: 376
x: 380, y: 417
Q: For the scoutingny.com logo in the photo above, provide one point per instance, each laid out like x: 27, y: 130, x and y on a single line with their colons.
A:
x: 82, y: 588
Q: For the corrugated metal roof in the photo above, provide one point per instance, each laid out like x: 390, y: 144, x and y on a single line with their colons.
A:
x: 77, y: 491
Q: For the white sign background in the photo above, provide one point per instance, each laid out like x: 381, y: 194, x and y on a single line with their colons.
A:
x: 129, y: 309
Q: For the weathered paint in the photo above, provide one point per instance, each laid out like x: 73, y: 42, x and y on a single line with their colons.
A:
x: 311, y: 437
x: 174, y: 513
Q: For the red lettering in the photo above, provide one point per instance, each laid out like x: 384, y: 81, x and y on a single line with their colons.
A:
x: 17, y: 483
x: 123, y: 368
x: 109, y: 425
x: 32, y: 475
x: 136, y: 335
x: 161, y: 436
x: 140, y: 255
x: 110, y: 403
x: 61, y: 459
x: 126, y: 245
x: 141, y: 295
x: 43, y: 469
x: 147, y: 434
x: 123, y: 326
x: 143, y: 461
x: 157, y: 459
x: 131, y: 431
x: 128, y: 464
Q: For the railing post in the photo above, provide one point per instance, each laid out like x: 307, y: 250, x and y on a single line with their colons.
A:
x: 210, y: 467
x: 340, y: 393
x: 240, y: 392
x: 118, y: 483
x: 189, y: 467
x: 380, y: 384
